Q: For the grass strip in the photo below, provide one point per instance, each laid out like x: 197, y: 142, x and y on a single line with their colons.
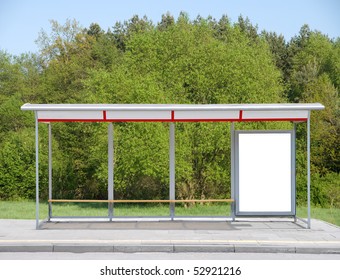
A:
x: 26, y: 210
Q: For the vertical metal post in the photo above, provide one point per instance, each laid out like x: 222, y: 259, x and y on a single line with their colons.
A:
x: 172, y: 169
x: 110, y: 169
x: 36, y: 171
x: 294, y: 169
x: 232, y: 170
x: 49, y: 171
x: 308, y: 171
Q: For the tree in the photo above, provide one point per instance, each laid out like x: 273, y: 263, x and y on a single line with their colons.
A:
x: 222, y: 28
x: 19, y: 83
x: 60, y: 41
x: 122, y: 32
x: 67, y: 58
x: 17, y: 168
x: 310, y: 55
x: 167, y: 21
x: 95, y: 30
x: 325, y: 124
x: 248, y: 28
x: 279, y: 49
x: 11, y: 79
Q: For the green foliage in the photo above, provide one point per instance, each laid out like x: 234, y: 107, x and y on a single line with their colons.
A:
x: 203, y: 61
x: 17, y: 165
x: 202, y: 160
x: 279, y: 49
x: 141, y: 160
x: 326, y: 190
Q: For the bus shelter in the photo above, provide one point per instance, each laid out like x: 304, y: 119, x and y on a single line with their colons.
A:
x: 262, y: 161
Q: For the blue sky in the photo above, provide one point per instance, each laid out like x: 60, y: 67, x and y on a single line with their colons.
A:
x: 21, y: 21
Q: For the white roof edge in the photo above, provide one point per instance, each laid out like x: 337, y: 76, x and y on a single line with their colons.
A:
x: 178, y: 107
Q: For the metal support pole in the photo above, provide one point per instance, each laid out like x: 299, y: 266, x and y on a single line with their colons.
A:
x: 49, y: 170
x: 36, y: 172
x: 172, y: 169
x: 232, y: 170
x: 110, y: 169
x: 294, y: 170
x: 308, y: 171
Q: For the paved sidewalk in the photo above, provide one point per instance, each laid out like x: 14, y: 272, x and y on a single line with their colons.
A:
x: 178, y: 236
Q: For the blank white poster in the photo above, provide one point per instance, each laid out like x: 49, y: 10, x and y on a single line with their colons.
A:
x: 265, y: 183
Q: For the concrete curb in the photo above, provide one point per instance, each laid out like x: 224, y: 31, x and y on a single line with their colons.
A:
x: 143, y: 248
x: 26, y: 248
x: 266, y: 249
x: 82, y: 248
x: 170, y: 248
x: 204, y: 248
x: 316, y: 250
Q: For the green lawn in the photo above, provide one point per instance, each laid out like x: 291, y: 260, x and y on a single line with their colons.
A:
x: 330, y: 215
x: 26, y: 210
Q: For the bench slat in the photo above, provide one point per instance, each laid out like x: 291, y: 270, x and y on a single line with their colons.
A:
x: 139, y: 201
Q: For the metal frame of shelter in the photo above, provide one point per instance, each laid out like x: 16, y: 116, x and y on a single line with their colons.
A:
x: 172, y: 113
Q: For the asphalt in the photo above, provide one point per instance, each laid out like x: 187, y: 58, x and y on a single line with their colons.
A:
x: 244, y: 236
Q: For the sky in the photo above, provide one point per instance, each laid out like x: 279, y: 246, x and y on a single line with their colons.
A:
x: 21, y: 21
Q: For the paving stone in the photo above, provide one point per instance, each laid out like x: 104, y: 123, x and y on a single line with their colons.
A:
x: 240, y: 236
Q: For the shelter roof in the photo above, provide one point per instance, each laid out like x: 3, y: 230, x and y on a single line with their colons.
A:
x: 171, y: 112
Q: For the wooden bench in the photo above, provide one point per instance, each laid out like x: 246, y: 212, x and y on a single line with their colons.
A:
x: 139, y: 201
